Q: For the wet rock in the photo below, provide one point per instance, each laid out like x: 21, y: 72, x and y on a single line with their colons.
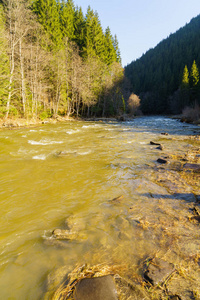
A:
x: 192, y: 167
x: 162, y: 161
x: 98, y: 288
x: 164, y: 133
x: 160, y: 147
x: 154, y: 143
x: 158, y: 270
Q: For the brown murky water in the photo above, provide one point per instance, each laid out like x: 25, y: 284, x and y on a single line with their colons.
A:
x: 41, y: 189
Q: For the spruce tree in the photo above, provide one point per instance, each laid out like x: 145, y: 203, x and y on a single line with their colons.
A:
x: 194, y: 74
x: 48, y: 16
x: 79, y: 28
x: 116, y: 46
x: 111, y: 55
x: 67, y: 14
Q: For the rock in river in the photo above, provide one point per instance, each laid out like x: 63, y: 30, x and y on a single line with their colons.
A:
x: 62, y: 234
x: 98, y: 288
x: 158, y: 270
x: 154, y: 143
x: 162, y: 161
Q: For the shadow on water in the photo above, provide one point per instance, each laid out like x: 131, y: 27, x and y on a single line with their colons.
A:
x: 188, y: 197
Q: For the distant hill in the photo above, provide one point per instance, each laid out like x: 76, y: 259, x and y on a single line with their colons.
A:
x: 157, y: 75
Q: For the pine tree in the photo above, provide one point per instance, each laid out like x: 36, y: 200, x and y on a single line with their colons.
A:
x: 194, y: 74
x: 185, y: 79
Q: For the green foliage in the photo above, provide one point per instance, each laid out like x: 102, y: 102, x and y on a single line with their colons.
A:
x: 45, y: 115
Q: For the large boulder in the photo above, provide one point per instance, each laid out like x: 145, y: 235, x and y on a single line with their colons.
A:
x: 98, y: 288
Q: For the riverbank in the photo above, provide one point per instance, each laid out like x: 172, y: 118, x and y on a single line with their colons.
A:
x: 11, y: 123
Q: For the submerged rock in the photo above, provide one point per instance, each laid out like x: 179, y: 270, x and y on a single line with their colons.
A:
x: 98, y: 288
x: 192, y: 167
x: 62, y: 234
x: 130, y: 290
x: 158, y: 270
x: 117, y: 199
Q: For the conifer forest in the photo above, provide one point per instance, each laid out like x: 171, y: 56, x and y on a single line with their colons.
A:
x: 159, y: 75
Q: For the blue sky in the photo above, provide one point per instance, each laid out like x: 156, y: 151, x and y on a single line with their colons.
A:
x: 141, y: 24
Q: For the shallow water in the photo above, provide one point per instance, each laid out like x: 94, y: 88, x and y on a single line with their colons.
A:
x: 70, y: 171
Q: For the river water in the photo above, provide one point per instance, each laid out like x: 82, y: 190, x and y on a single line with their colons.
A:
x: 53, y: 173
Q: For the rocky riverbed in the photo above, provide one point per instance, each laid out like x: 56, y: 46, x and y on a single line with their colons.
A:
x: 170, y: 272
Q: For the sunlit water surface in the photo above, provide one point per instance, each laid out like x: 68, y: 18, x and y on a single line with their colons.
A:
x: 41, y: 189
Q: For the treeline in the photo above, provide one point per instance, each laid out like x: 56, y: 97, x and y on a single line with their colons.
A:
x: 157, y: 76
x: 54, y: 60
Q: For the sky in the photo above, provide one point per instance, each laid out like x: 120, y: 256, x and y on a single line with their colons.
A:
x: 141, y: 24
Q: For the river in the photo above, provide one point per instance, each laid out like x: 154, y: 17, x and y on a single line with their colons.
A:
x: 71, y: 171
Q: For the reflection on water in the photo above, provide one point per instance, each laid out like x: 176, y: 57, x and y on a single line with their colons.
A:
x: 57, y: 174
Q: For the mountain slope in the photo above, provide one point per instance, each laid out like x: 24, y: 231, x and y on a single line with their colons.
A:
x: 158, y: 73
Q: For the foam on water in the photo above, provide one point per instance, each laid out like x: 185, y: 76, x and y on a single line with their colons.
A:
x: 44, y: 142
x: 72, y: 131
x: 40, y: 157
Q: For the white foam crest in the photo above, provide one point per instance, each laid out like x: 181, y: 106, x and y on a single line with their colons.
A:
x: 44, y: 142
x: 84, y: 152
x: 91, y: 126
x: 72, y: 131
x: 40, y: 157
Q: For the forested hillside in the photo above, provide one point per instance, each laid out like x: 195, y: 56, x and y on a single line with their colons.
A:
x: 158, y: 75
x: 56, y: 60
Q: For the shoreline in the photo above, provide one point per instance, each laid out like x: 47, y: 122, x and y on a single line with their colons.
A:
x: 14, y: 123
